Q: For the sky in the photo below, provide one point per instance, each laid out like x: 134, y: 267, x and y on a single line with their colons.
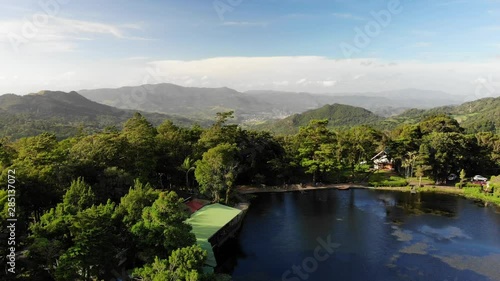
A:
x: 319, y: 46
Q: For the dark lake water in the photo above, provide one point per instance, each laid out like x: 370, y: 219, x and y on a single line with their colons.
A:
x: 366, y: 235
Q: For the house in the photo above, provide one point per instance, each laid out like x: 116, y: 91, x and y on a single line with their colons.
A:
x: 381, y: 161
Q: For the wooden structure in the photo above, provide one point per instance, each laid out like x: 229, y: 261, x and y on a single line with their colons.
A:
x: 381, y: 161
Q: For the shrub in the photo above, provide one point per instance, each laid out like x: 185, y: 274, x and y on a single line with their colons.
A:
x: 470, y: 185
x: 398, y: 183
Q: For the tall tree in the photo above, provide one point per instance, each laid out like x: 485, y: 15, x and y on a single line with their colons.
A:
x: 310, y: 139
x: 217, y: 170
x: 162, y: 228
x: 93, y: 253
x: 140, y: 135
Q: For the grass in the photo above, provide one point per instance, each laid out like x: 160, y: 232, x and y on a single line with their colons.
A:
x: 476, y: 193
x: 386, y: 179
x: 425, y: 181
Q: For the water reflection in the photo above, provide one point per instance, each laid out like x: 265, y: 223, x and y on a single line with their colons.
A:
x: 380, y: 236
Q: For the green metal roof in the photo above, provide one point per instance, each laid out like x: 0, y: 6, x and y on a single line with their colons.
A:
x: 207, y: 221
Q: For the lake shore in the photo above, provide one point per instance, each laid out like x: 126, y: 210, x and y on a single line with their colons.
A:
x: 426, y: 189
x: 344, y: 186
x: 246, y: 189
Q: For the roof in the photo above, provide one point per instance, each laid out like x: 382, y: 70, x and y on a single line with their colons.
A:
x: 194, y: 205
x: 207, y: 221
x: 378, y: 154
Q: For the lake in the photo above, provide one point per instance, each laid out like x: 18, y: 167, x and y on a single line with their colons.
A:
x: 362, y: 234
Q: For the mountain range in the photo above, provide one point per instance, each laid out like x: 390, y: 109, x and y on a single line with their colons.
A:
x: 255, y: 106
x: 64, y: 114
x: 280, y: 112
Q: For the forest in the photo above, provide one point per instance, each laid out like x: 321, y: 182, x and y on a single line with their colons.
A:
x: 94, y: 205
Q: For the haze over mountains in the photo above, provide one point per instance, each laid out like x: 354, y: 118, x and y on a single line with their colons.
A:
x: 259, y: 105
x: 63, y: 113
x: 280, y: 112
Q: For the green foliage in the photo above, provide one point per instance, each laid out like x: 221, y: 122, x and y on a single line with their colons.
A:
x: 315, y: 151
x: 162, y: 228
x: 140, y: 135
x: 133, y: 203
x: 384, y: 179
x: 216, y: 172
x: 183, y: 264
x: 479, y: 194
x: 79, y: 231
x: 94, y: 249
x: 220, y: 132
x: 78, y: 197
x: 338, y: 116
x: 468, y: 184
x: 65, y: 115
x: 440, y: 124
x: 391, y: 183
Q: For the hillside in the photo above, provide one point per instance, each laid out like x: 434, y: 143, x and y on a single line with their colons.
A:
x: 256, y: 106
x: 63, y: 114
x: 338, y: 115
x: 174, y: 99
x: 474, y: 116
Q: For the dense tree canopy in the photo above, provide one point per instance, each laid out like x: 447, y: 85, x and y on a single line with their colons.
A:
x: 93, y: 205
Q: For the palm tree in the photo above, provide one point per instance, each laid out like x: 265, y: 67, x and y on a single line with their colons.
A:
x: 406, y: 164
x: 412, y: 158
x: 419, y: 173
x: 188, y: 166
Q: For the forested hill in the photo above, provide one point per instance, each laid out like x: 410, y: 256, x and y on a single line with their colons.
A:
x: 63, y: 114
x: 476, y: 116
x: 261, y: 105
x: 338, y: 115
x: 175, y: 99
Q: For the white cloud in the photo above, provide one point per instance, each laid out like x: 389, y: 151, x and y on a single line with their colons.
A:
x: 293, y: 73
x: 57, y: 34
x: 347, y: 16
x: 281, y: 83
x: 301, y: 81
x: 357, y: 76
x: 329, y: 83
x: 313, y: 74
x: 480, y: 80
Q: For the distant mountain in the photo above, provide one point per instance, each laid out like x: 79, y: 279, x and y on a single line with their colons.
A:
x: 256, y: 106
x: 63, y: 114
x: 388, y: 103
x: 174, y: 99
x: 475, y: 116
x: 338, y: 115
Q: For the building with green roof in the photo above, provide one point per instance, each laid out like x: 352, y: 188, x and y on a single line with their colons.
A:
x: 213, y: 225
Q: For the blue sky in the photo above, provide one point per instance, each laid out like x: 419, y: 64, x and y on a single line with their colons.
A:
x: 82, y: 38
